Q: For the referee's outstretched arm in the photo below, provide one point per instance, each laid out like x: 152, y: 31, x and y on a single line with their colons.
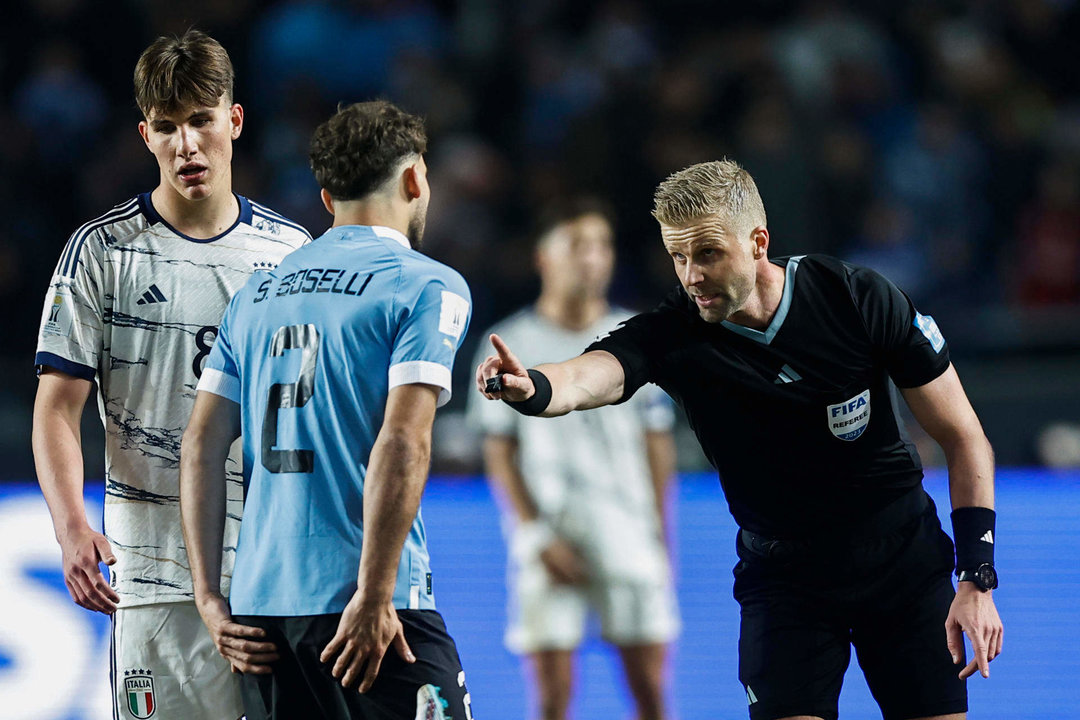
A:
x: 943, y: 410
x: 587, y: 381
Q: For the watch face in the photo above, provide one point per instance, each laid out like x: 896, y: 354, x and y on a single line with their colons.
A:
x: 986, y: 577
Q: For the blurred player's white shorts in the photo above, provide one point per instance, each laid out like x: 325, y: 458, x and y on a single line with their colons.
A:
x: 548, y: 616
x: 164, y: 665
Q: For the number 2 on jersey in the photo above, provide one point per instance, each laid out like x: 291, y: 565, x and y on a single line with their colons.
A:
x: 283, y: 396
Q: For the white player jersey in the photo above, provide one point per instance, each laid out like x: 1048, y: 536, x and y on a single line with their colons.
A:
x: 587, y: 471
x: 135, y: 305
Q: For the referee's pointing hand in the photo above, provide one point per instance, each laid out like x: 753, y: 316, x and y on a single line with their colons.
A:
x: 514, y: 383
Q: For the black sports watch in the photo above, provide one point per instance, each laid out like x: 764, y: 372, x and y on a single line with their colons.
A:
x: 985, y: 577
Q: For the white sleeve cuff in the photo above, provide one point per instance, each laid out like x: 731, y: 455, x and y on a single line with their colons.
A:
x: 423, y: 372
x: 219, y: 383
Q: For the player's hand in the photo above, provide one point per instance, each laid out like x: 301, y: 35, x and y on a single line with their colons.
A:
x: 245, y: 647
x: 82, y: 550
x: 563, y: 562
x: 973, y: 613
x: 364, y: 633
x: 516, y: 383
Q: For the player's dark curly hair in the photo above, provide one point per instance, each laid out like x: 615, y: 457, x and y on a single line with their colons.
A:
x: 183, y: 71
x: 358, y: 149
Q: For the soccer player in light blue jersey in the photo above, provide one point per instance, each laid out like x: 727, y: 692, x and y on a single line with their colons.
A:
x: 331, y: 367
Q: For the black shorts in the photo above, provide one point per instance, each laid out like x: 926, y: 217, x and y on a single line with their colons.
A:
x: 887, y: 594
x: 302, y: 688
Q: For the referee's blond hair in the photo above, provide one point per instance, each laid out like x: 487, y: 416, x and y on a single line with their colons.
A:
x: 720, y: 187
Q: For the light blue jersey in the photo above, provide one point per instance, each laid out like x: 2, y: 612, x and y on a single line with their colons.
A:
x: 310, y: 352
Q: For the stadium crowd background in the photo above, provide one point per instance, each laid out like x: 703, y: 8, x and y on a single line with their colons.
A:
x: 936, y: 141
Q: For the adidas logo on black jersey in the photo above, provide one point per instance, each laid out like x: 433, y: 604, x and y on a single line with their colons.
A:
x: 787, y: 375
x: 151, y: 296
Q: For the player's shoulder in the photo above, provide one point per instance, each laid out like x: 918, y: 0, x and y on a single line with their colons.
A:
x: 114, y: 227
x: 424, y: 270
x: 812, y: 263
x: 273, y: 224
x: 821, y: 264
x: 859, y: 279
x: 818, y: 274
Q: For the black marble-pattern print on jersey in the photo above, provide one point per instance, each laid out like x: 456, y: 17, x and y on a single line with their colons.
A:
x: 142, y: 579
x: 160, y: 583
x: 117, y: 318
x: 125, y: 546
x: 115, y: 488
x: 116, y: 363
x: 166, y: 260
x: 188, y: 391
x: 145, y: 440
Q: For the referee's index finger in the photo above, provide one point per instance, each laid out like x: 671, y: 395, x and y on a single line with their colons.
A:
x: 503, y: 349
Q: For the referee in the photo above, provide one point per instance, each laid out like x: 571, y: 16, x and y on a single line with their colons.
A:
x: 783, y: 368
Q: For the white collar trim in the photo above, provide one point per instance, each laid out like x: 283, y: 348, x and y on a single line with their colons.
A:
x: 391, y: 234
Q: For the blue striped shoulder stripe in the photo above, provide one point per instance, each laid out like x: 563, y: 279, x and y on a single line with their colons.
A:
x: 69, y: 259
x: 276, y: 217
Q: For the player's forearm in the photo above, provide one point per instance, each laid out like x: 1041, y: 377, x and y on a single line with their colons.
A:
x: 660, y: 453
x: 944, y: 411
x: 588, y: 381
x: 970, y: 461
x: 393, y: 485
x: 57, y: 446
x: 502, y: 470
x: 202, y: 508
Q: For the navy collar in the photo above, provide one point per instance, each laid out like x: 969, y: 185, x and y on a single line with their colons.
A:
x: 154, y: 218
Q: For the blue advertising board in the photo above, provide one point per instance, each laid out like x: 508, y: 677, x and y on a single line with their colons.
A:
x: 53, y: 654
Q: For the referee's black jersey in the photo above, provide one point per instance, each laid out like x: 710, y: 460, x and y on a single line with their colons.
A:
x: 799, y: 418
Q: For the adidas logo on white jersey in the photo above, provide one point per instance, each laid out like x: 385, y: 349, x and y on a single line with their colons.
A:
x: 988, y: 537
x: 151, y: 296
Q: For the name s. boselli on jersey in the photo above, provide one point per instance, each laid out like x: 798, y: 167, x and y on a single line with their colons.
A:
x: 315, y: 280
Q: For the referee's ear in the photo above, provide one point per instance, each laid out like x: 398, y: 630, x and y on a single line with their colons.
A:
x: 760, y: 237
x: 327, y: 201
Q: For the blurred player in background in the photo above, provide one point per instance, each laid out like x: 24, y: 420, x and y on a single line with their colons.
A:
x: 585, y: 493
x: 135, y: 304
x: 783, y: 368
x: 333, y: 366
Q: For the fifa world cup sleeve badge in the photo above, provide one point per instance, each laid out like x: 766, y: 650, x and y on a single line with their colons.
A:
x: 58, y: 314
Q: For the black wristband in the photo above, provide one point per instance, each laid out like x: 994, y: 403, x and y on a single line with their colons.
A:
x: 973, y: 533
x: 541, y: 398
